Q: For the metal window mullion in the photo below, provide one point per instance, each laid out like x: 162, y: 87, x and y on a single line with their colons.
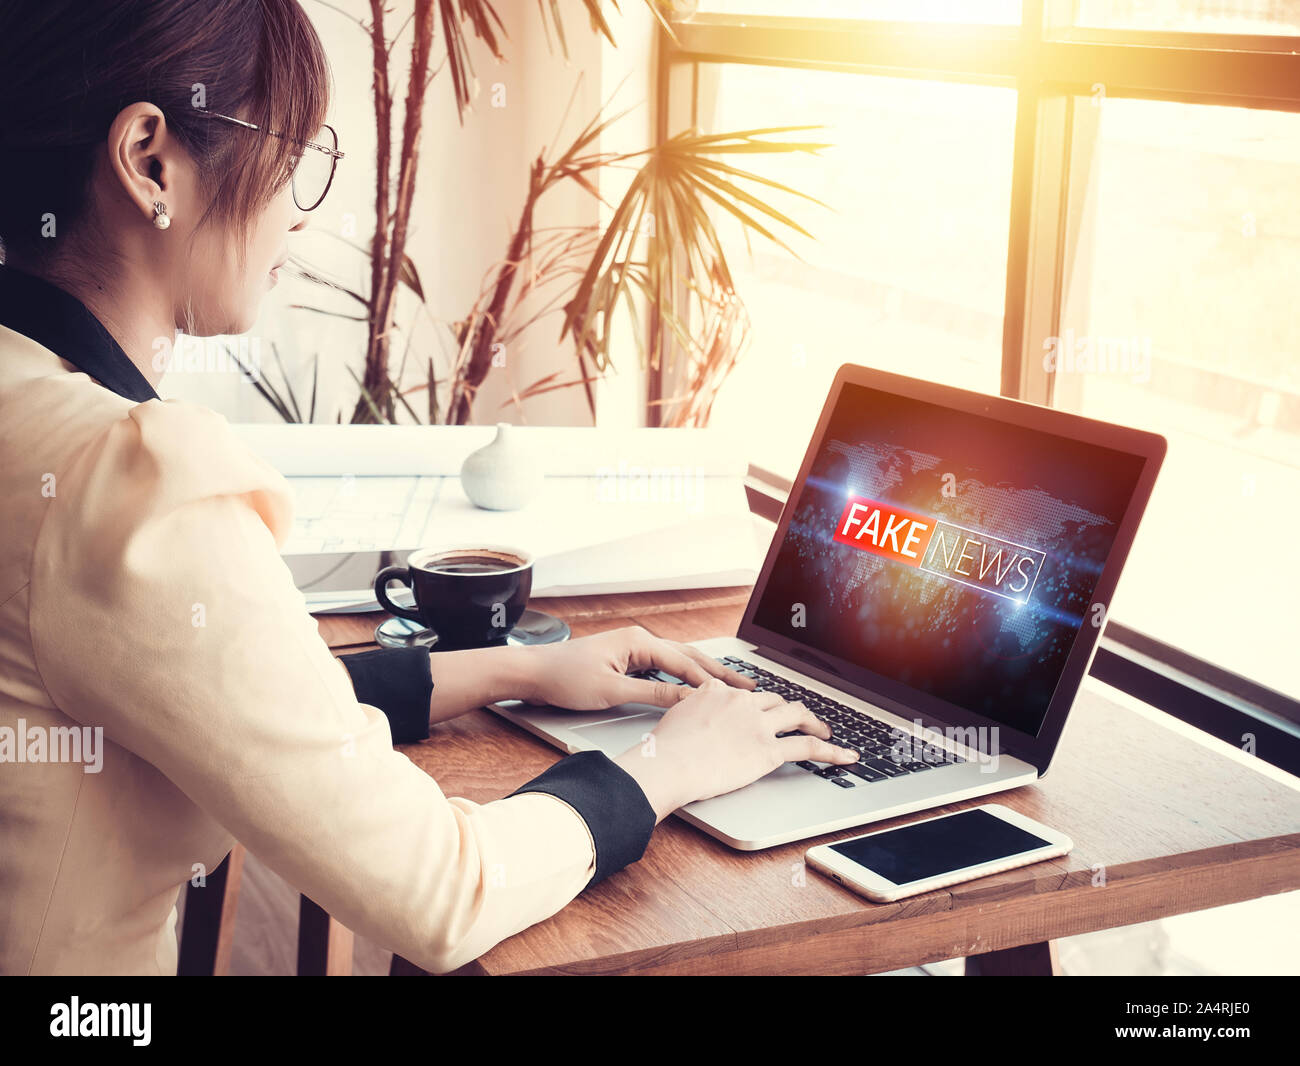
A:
x: 1077, y: 242
x: 933, y: 48
x: 1035, y: 238
x: 1271, y: 738
x: 1231, y: 76
x: 1231, y: 70
x: 676, y: 108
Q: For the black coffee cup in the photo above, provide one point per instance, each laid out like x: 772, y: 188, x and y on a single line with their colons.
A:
x: 470, y: 595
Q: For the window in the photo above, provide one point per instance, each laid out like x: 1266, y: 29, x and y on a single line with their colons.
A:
x: 1180, y: 317
x: 1017, y: 176
x: 908, y: 269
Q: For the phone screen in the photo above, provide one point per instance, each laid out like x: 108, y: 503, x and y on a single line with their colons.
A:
x: 939, y: 846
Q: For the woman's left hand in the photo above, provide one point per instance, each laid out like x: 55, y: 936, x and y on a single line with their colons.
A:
x: 590, y: 673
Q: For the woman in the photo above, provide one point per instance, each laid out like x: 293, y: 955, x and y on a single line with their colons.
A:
x: 153, y: 161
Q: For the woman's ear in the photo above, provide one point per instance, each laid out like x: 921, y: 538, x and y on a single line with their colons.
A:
x: 146, y: 161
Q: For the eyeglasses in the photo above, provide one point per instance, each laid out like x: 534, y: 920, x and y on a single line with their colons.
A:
x: 313, y: 171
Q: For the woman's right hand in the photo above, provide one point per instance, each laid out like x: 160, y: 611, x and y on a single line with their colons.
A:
x: 720, y: 738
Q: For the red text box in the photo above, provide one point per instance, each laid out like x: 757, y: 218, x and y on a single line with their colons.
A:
x: 883, y: 529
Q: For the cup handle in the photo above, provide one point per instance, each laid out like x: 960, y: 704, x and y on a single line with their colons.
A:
x: 395, y: 573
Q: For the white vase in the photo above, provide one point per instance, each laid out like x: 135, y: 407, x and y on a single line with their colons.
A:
x: 501, y: 476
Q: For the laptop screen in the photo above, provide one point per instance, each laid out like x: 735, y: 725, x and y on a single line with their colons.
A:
x: 950, y: 552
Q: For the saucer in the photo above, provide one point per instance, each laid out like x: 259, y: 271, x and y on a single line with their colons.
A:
x: 533, y: 627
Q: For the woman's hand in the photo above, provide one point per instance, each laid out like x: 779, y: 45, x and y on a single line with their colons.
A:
x: 718, y: 739
x: 590, y: 673
x: 718, y: 734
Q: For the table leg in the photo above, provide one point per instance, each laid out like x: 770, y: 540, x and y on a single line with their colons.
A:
x: 208, y: 929
x: 1028, y: 960
x: 324, y: 945
x: 405, y: 968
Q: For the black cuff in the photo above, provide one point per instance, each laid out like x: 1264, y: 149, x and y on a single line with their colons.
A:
x: 610, y: 801
x: 398, y: 682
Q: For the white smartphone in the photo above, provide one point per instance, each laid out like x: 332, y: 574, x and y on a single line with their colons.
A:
x: 892, y: 864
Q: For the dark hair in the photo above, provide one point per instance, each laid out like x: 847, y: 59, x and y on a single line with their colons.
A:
x: 67, y: 67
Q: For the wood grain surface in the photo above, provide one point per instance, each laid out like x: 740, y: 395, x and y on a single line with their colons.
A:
x: 344, y: 632
x: 1161, y: 825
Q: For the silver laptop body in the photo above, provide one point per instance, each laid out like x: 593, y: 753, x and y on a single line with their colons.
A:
x: 1059, y: 494
x: 791, y: 803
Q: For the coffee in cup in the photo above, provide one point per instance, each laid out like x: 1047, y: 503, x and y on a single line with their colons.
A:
x: 471, y: 596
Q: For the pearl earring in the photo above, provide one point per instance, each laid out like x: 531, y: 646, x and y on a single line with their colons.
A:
x: 160, y: 216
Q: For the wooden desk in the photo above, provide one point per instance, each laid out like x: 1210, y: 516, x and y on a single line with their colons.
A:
x: 1161, y: 826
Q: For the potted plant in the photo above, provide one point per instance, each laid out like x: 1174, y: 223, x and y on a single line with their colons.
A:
x: 660, y: 249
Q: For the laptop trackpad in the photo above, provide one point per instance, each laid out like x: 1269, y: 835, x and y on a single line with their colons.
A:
x: 616, y: 736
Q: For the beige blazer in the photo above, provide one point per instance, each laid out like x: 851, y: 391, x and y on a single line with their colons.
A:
x: 142, y: 594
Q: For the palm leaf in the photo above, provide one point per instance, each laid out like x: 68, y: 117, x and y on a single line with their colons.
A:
x: 275, y: 351
x: 717, y: 164
x: 375, y: 412
x: 749, y: 135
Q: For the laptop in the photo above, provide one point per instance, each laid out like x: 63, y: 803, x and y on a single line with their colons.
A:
x: 934, y: 591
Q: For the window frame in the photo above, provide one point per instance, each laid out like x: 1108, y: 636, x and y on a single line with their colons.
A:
x: 1056, y: 69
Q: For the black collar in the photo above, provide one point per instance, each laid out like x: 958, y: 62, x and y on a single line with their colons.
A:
x: 56, y: 319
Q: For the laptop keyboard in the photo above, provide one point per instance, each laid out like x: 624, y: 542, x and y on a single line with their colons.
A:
x: 874, y: 741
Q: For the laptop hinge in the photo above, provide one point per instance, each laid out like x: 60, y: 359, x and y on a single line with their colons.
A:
x: 814, y: 660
